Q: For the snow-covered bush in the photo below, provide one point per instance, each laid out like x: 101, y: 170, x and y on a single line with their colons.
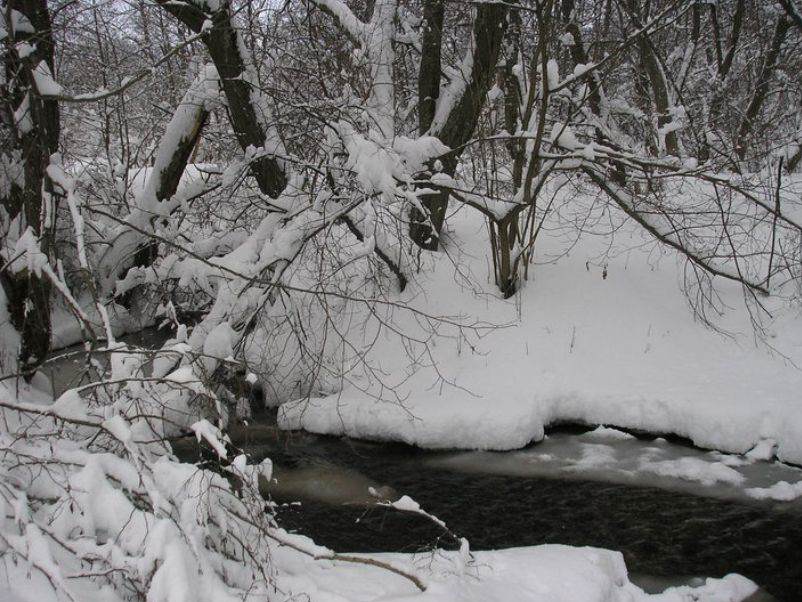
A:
x: 93, y: 499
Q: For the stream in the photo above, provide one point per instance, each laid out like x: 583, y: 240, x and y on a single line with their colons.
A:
x: 677, y: 513
x: 671, y: 530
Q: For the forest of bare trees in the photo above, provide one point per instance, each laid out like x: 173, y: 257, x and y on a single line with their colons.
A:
x: 375, y: 116
x: 260, y: 174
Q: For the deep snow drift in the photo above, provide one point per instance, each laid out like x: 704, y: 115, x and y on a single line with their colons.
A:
x: 602, y: 333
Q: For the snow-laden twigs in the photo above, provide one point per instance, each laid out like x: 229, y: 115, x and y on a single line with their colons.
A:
x: 668, y: 236
x: 55, y: 91
x: 109, y: 507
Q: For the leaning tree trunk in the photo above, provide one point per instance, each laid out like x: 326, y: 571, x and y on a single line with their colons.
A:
x: 133, y: 247
x: 247, y: 113
x: 31, y: 133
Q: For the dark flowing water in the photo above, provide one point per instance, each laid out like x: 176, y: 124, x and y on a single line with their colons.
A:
x: 661, y: 533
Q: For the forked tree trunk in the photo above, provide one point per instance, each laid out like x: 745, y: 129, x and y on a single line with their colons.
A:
x: 223, y: 42
x: 454, y: 125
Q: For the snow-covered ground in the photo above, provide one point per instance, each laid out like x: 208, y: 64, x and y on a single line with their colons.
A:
x: 549, y: 573
x: 600, y: 334
x: 598, y: 338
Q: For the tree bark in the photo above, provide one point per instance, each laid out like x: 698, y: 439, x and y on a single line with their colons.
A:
x: 34, y: 127
x: 657, y: 80
x: 133, y: 248
x: 793, y: 12
x: 430, y: 63
x: 762, y: 87
x: 456, y: 127
x: 735, y: 35
x: 222, y: 41
x: 716, y: 35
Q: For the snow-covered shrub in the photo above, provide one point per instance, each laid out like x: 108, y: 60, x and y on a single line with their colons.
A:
x: 92, y: 499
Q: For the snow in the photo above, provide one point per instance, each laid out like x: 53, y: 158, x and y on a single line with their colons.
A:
x: 452, y: 92
x: 549, y: 573
x: 567, y: 39
x: 22, y: 116
x: 67, y: 329
x: 407, y: 504
x: 24, y: 49
x: 45, y: 84
x: 694, y: 469
x: 563, y: 135
x: 344, y: 16
x: 605, y: 432
x: 92, y: 495
x: 9, y: 337
x: 201, y: 96
x: 153, y: 516
x: 617, y: 346
x: 764, y: 450
x: 218, y: 345
x: 20, y: 23
x: 610, y: 456
x: 553, y: 73
x: 417, y: 152
x: 204, y: 430
x: 783, y: 491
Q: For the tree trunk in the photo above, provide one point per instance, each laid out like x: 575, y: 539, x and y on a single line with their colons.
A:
x: 657, y: 81
x: 735, y: 35
x: 579, y: 56
x: 762, y: 87
x: 793, y: 12
x: 457, y: 124
x: 34, y: 133
x: 223, y: 42
x: 246, y: 116
x: 133, y: 248
x: 430, y: 63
